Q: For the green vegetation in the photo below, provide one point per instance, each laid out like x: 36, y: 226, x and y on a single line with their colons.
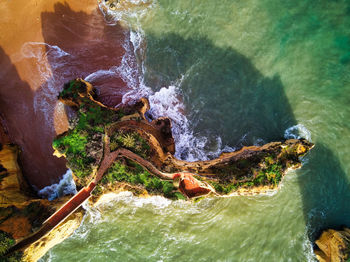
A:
x: 224, y: 188
x: 6, y: 241
x: 74, y: 142
x: 71, y: 89
x: 132, y: 141
x: 90, y: 122
x: 134, y: 174
x: 270, y: 174
x: 73, y: 145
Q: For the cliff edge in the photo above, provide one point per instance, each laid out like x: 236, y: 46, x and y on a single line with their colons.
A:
x: 333, y: 246
x: 22, y: 213
x: 120, y: 149
x: 117, y: 149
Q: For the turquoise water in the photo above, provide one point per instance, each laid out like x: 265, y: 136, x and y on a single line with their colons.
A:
x: 244, y: 72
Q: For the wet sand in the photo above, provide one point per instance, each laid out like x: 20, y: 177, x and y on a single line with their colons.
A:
x: 44, y: 44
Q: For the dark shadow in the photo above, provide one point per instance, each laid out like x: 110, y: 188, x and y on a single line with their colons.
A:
x: 76, y: 45
x: 25, y: 127
x: 92, y: 45
x: 325, y: 190
x: 235, y: 101
x: 225, y: 95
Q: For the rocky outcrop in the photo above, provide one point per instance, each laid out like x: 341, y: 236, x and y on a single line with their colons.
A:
x: 116, y: 149
x: 333, y: 246
x: 120, y: 5
x: 22, y: 213
x: 141, y: 153
x: 37, y: 249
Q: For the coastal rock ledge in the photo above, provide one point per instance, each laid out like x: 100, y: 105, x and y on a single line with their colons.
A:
x: 333, y: 246
x: 22, y: 213
x: 120, y: 149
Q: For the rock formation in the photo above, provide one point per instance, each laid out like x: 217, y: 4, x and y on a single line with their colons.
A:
x: 116, y: 149
x: 22, y: 213
x: 120, y: 146
x: 333, y: 246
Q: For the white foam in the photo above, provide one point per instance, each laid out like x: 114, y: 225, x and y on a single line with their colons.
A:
x: 65, y: 186
x: 40, y: 52
x: 297, y: 132
x: 100, y: 74
x: 48, y: 59
x: 34, y: 49
x: 128, y: 70
x: 167, y: 102
x: 130, y: 199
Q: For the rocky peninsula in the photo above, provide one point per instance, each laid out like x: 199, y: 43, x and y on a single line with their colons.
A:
x: 124, y: 148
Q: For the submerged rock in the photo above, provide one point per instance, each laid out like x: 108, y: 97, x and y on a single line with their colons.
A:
x: 333, y: 246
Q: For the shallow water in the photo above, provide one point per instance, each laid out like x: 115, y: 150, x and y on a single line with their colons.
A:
x: 44, y: 45
x: 236, y: 73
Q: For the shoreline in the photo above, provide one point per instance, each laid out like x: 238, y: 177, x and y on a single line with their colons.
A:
x: 37, y: 117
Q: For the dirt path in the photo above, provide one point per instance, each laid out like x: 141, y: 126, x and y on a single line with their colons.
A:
x: 78, y: 199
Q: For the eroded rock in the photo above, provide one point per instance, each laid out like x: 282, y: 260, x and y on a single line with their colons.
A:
x: 22, y: 213
x: 141, y: 153
x: 333, y: 245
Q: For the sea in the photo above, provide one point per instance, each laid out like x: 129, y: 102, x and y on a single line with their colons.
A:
x: 230, y: 73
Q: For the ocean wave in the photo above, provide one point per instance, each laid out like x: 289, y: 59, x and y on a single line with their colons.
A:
x: 48, y: 58
x: 65, y: 186
x: 129, y: 199
x: 297, y: 132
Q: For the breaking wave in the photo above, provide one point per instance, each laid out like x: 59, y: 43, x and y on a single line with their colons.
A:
x: 297, y: 132
x: 65, y: 186
x: 131, y: 200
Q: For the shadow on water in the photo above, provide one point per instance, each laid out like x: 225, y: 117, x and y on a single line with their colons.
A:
x: 224, y: 93
x: 76, y: 44
x: 24, y: 124
x: 325, y: 191
x: 226, y: 96
x: 91, y: 45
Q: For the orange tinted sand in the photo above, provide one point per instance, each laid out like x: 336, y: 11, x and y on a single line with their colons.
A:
x: 31, y: 74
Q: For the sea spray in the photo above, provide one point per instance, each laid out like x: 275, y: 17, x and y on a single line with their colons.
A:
x: 65, y: 186
x: 297, y: 132
x: 48, y: 58
x: 167, y: 102
x: 129, y: 199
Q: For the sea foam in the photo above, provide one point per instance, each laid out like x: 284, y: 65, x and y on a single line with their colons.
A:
x: 65, y: 186
x: 297, y: 132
